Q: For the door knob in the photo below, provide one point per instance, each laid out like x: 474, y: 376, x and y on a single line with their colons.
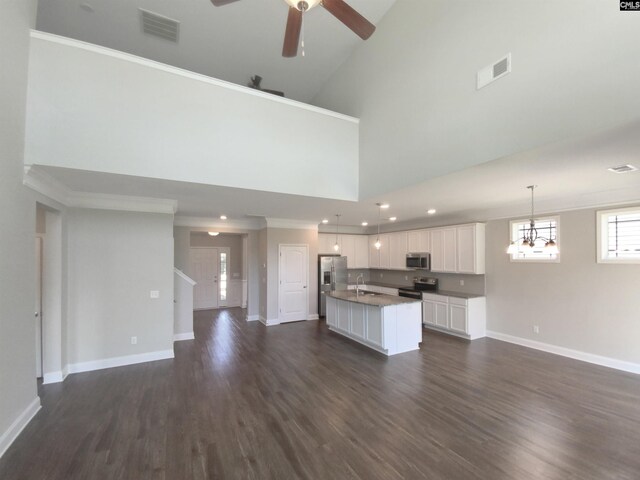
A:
x: 37, y: 314
x: 304, y: 286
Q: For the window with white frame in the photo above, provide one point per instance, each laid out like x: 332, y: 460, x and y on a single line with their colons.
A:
x: 619, y: 235
x: 545, y: 229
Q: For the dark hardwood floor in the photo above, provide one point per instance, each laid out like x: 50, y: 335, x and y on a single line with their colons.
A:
x: 244, y: 401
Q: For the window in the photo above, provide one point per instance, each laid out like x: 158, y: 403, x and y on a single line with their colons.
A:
x: 547, y: 228
x: 619, y: 235
x: 223, y: 276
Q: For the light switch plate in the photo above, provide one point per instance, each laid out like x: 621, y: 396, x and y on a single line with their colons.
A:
x: 154, y: 294
x: 134, y: 340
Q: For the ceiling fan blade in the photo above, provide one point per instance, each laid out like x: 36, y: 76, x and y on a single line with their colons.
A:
x: 352, y: 19
x: 292, y: 33
x: 273, y: 92
x: 219, y: 3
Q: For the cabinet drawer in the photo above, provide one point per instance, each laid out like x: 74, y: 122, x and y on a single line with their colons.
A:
x: 458, y: 301
x: 435, y: 298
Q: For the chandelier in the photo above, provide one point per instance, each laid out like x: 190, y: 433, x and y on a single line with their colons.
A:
x: 527, y: 242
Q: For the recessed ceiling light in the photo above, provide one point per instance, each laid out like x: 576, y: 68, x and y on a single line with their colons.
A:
x: 384, y: 205
x: 325, y: 221
x: 364, y: 224
x: 392, y: 219
x: 223, y: 217
x: 431, y: 211
x: 214, y: 234
x: 623, y: 169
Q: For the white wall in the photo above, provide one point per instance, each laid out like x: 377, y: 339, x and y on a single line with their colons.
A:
x: 578, y: 304
x: 156, y: 121
x: 183, y: 306
x: 115, y: 260
x: 17, y: 217
x: 412, y: 84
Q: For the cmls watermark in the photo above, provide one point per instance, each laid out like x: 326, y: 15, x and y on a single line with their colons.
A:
x: 629, y: 6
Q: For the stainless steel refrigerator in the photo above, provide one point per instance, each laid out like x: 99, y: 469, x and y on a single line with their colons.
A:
x: 332, y: 275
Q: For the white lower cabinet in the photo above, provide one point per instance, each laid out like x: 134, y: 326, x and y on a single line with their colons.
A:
x: 375, y: 329
x: 459, y: 316
x: 358, y: 320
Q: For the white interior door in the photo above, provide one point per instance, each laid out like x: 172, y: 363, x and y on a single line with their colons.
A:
x: 38, y: 307
x: 204, y: 270
x: 294, y: 275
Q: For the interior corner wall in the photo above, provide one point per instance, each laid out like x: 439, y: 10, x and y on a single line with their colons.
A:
x: 263, y: 270
x: 17, y: 216
x: 291, y: 236
x: 115, y: 260
x: 253, y: 274
x: 578, y: 303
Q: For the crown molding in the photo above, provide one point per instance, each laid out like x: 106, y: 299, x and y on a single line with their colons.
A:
x: 288, y: 223
x: 69, y: 42
x: 222, y: 225
x: 48, y: 186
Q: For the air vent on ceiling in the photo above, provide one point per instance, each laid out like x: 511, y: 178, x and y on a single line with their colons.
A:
x: 159, y: 25
x: 623, y: 169
x: 494, y: 71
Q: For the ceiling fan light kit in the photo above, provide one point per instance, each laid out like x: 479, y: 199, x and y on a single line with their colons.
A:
x: 297, y: 8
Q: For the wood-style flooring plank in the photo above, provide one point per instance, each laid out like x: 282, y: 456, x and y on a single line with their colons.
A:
x: 295, y: 401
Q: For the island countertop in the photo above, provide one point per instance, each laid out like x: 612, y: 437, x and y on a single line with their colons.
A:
x: 374, y: 300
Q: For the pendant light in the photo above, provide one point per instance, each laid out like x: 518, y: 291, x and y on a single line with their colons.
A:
x: 526, y: 244
x: 378, y: 244
x: 336, y: 247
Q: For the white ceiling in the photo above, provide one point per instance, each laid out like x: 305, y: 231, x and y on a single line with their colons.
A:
x: 231, y: 43
x: 571, y: 174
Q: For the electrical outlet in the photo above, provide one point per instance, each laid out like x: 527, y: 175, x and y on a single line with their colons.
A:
x: 134, y: 340
x: 154, y: 294
x: 462, y: 283
x: 536, y: 329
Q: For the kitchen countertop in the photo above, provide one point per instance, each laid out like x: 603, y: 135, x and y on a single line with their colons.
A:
x: 447, y: 293
x: 377, y: 300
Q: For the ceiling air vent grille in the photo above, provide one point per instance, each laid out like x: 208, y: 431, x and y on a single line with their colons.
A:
x: 494, y: 71
x: 623, y: 169
x: 159, y: 26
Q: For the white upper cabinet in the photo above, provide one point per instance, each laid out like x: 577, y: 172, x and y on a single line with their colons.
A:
x: 418, y: 241
x: 362, y: 252
x: 385, y: 258
x: 374, y: 253
x: 470, y: 248
x: 398, y: 250
x: 325, y: 243
x: 348, y: 249
x: 443, y: 249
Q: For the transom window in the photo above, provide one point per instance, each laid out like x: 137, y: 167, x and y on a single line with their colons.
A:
x: 619, y: 236
x: 546, y: 228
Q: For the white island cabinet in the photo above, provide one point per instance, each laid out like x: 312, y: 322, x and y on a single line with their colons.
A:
x: 385, y: 323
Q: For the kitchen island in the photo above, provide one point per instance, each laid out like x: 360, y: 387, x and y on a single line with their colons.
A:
x: 385, y: 323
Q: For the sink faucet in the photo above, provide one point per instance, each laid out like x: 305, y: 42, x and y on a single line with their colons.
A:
x: 358, y: 278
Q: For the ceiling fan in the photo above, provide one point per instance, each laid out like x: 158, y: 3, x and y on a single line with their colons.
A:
x: 255, y: 83
x: 338, y: 8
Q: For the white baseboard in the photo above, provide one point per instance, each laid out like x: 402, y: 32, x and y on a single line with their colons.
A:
x: 11, y: 433
x: 253, y: 318
x: 178, y: 337
x: 568, y: 352
x: 269, y: 323
x: 120, y: 361
x: 314, y: 316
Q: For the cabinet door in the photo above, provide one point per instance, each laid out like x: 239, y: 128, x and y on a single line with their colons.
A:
x: 418, y: 241
x: 398, y: 250
x: 374, y: 253
x: 331, y: 314
x: 348, y: 249
x: 466, y: 248
x: 385, y: 259
x: 325, y: 243
x: 458, y: 318
x: 441, y: 313
x: 374, y: 331
x: 342, y: 311
x: 437, y: 250
x: 361, y: 245
x: 358, y: 319
x: 428, y: 313
x: 450, y: 250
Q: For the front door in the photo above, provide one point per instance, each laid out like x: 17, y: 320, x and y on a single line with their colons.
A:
x: 294, y: 274
x: 204, y: 270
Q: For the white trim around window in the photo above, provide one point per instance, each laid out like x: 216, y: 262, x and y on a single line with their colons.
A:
x: 604, y: 253
x: 539, y: 256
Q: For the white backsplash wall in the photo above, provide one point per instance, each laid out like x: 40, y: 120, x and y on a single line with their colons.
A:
x: 446, y: 281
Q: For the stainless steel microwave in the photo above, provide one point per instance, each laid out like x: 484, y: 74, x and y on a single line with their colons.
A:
x: 419, y: 261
